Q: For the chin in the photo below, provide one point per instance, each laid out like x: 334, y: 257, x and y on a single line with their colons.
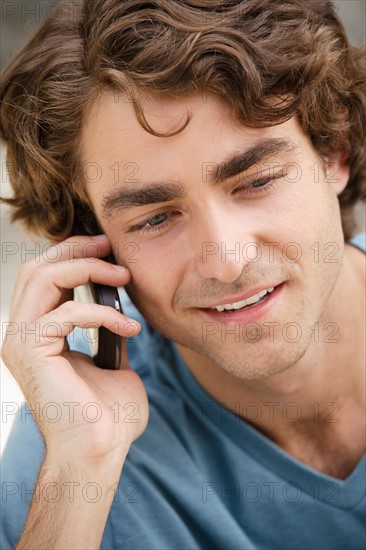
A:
x: 257, y: 364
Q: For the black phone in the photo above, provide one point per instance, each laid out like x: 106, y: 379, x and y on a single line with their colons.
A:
x: 106, y: 346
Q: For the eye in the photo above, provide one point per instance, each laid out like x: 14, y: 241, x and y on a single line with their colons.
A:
x: 262, y: 185
x: 158, y: 219
x: 154, y: 224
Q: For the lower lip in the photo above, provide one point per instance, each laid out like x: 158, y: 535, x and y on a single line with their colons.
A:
x: 245, y: 316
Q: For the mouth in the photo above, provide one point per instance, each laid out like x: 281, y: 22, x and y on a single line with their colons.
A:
x: 247, y: 310
x: 253, y: 299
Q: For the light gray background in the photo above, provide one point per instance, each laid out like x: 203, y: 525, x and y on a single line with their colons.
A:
x: 19, y: 20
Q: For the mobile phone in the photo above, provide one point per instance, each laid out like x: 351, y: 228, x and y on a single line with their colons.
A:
x: 106, y: 346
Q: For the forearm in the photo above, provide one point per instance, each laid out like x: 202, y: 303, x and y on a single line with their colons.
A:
x: 70, y: 506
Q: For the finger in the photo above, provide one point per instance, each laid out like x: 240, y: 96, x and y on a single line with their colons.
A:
x: 45, y: 290
x: 68, y: 250
x: 69, y: 315
x: 77, y: 246
x: 51, y: 329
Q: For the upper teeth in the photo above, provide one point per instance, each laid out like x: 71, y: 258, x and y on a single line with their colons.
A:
x: 247, y: 302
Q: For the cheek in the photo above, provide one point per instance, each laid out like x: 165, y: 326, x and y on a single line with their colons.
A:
x: 309, y: 226
x: 305, y: 206
x: 155, y: 276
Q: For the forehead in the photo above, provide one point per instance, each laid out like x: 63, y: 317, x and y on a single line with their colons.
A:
x: 111, y: 128
x: 118, y: 154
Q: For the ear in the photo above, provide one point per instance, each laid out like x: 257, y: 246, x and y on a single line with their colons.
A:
x: 337, y: 171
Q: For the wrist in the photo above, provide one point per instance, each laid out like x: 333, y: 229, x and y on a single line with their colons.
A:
x: 80, y: 480
x: 75, y: 482
x: 106, y: 464
x: 71, y: 503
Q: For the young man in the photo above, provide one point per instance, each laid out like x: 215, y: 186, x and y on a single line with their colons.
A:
x: 219, y: 149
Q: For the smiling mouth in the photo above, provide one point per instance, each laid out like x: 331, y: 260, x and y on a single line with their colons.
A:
x: 249, y: 303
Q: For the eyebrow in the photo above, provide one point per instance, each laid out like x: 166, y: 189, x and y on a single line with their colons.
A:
x: 125, y: 198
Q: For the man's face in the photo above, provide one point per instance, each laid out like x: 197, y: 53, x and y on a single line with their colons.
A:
x: 192, y: 243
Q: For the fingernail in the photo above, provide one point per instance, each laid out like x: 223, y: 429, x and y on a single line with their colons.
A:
x: 119, y: 268
x: 136, y: 325
x: 100, y: 237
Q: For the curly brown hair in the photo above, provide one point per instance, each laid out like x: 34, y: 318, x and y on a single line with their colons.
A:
x: 249, y: 52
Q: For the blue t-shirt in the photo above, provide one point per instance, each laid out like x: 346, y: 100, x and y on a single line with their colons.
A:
x: 199, y: 477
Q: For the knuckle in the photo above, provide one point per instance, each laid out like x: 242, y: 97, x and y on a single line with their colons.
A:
x: 30, y: 275
x: 4, y: 353
x: 8, y: 354
x: 40, y: 272
x: 26, y: 268
x: 67, y: 306
x: 29, y: 270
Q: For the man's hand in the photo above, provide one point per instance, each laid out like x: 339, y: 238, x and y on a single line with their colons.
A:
x: 103, y: 411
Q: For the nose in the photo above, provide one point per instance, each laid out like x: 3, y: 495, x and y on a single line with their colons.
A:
x: 218, y: 240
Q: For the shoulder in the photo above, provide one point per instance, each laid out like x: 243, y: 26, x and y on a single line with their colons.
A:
x: 355, y: 250
x: 358, y: 240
